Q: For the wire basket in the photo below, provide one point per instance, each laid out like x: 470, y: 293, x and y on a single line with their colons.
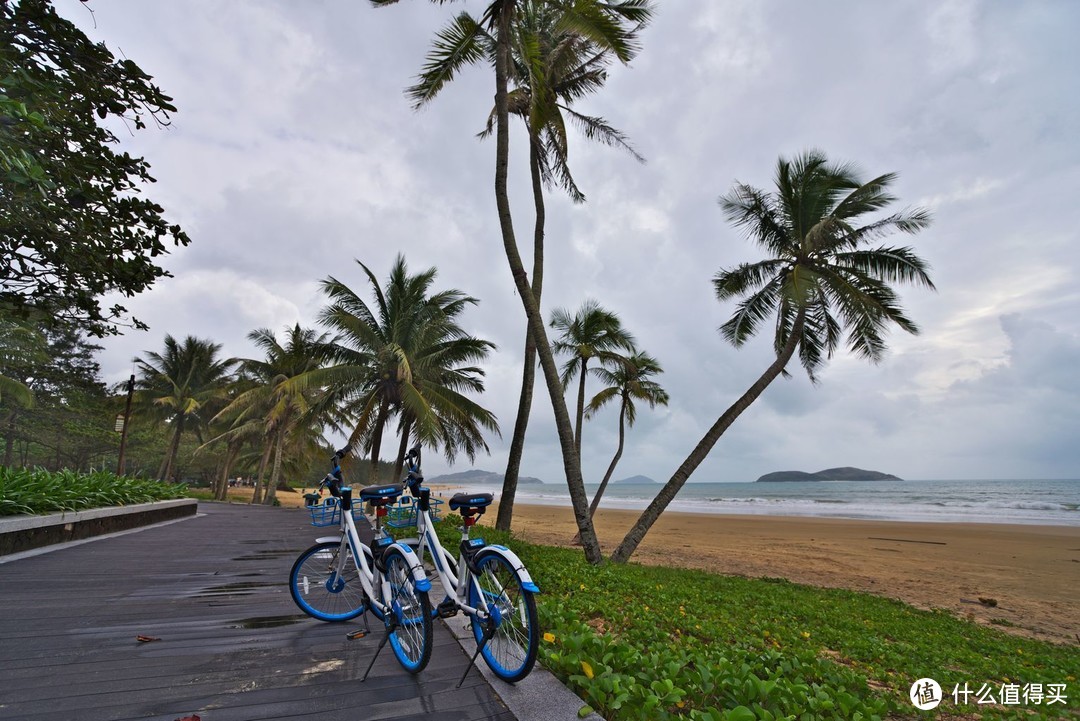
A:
x: 326, y: 513
x: 403, y: 513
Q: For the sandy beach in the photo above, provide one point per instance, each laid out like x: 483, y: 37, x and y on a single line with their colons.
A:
x: 1032, y: 573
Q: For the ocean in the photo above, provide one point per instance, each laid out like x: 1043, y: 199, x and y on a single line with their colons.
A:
x: 1045, y: 502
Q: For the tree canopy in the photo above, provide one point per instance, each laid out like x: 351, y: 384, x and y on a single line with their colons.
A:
x: 73, y: 225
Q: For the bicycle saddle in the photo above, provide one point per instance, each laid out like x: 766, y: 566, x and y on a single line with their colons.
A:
x: 470, y: 500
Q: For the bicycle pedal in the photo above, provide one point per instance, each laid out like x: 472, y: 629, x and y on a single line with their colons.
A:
x: 356, y: 634
x: 447, y: 609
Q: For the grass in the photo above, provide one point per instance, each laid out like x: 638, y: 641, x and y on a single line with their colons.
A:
x: 641, y: 642
x: 37, y: 491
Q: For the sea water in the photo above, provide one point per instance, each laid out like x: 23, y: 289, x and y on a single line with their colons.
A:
x: 1032, y: 501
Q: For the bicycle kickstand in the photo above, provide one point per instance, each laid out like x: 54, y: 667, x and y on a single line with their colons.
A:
x: 390, y: 628
x: 489, y: 633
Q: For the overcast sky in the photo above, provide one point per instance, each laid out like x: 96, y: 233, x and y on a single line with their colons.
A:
x: 295, y: 152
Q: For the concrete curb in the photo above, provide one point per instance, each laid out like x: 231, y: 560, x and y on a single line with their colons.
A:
x: 538, y: 697
x: 26, y: 533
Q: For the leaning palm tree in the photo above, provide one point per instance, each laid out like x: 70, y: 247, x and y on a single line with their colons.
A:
x: 179, y: 386
x: 819, y: 281
x: 629, y: 379
x: 553, y: 66
x: 272, y: 402
x: 406, y: 356
x: 611, y: 25
x: 592, y: 332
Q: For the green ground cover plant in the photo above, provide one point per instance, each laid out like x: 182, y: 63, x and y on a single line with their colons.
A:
x: 643, y: 642
x: 37, y: 491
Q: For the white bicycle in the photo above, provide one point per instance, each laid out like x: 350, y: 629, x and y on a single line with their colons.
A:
x: 488, y: 583
x: 339, y: 578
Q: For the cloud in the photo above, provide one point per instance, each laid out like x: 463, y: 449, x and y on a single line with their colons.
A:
x: 295, y: 152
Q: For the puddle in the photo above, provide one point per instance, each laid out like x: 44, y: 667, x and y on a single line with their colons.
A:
x: 263, y: 555
x: 235, y: 589
x: 267, y: 621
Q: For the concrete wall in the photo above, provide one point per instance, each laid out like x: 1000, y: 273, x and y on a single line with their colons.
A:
x: 24, y: 533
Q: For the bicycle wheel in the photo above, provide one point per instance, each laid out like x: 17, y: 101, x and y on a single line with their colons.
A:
x: 511, y: 651
x: 411, y: 637
x: 320, y: 591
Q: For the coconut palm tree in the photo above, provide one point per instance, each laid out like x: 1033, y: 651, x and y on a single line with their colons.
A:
x: 406, y: 356
x: 611, y: 25
x: 273, y: 405
x: 820, y: 282
x: 592, y: 332
x: 628, y: 379
x: 180, y: 386
x: 553, y: 66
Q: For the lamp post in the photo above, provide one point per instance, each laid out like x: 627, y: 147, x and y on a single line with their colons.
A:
x: 122, y: 425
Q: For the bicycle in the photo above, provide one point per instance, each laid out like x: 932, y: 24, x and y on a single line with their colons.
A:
x: 493, y: 588
x: 340, y: 578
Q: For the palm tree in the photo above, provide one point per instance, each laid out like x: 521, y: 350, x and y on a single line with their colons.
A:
x: 180, y: 386
x: 611, y: 25
x: 592, y: 332
x: 272, y: 404
x: 629, y: 379
x: 406, y: 356
x: 553, y: 66
x: 819, y: 280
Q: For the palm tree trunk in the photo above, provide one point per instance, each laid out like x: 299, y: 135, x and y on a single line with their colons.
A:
x: 174, y: 449
x: 637, y: 532
x: 376, y: 441
x: 614, y: 461
x: 256, y: 497
x: 275, y: 474
x: 610, y: 470
x: 580, y: 405
x: 403, y: 448
x: 528, y: 372
x: 571, y: 461
x: 222, y: 491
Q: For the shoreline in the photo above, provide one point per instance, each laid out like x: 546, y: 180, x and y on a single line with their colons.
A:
x: 1027, y: 573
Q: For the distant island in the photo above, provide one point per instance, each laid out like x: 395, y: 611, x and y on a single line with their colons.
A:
x: 846, y: 473
x: 636, y: 479
x: 479, y: 477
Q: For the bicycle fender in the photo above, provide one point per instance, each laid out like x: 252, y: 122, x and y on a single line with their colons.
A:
x: 418, y: 573
x: 327, y: 539
x: 527, y: 583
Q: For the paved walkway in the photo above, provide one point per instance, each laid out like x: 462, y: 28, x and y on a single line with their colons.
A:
x: 233, y: 646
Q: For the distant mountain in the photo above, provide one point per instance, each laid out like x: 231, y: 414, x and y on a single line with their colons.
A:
x: 479, y: 477
x: 847, y: 473
x: 636, y: 479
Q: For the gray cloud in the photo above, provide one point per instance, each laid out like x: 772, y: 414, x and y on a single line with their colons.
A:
x: 295, y: 151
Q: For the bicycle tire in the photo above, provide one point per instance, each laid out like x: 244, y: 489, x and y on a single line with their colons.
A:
x: 411, y: 639
x: 319, y: 591
x: 511, y: 652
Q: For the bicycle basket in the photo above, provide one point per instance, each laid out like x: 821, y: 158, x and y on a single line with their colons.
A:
x: 326, y: 513
x: 402, y: 513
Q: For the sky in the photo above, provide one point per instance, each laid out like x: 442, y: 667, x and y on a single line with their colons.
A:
x: 295, y: 153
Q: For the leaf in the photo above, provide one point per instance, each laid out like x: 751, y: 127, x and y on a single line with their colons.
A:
x: 587, y: 669
x: 146, y: 639
x: 585, y: 711
x: 741, y: 713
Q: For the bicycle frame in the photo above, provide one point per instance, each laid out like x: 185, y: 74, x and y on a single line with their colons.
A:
x: 456, y: 587
x: 364, y: 558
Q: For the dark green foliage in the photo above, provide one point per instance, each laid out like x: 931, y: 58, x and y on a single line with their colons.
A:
x: 645, y: 642
x: 73, y: 226
x: 38, y: 491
